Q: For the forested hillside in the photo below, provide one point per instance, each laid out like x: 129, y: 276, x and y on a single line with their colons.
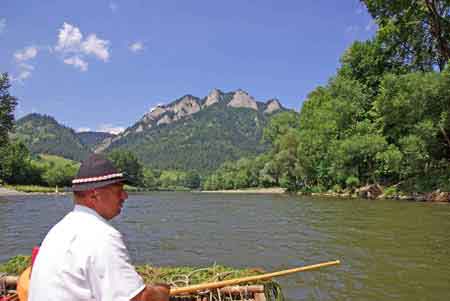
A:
x: 43, y: 134
x: 202, y: 142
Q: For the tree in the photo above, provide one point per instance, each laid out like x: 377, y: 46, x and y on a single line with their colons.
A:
x: 60, y: 174
x: 367, y: 62
x: 192, y: 180
x: 149, y: 180
x: 128, y: 163
x: 7, y: 106
x: 279, y: 124
x: 418, y: 31
x: 15, y: 164
x: 412, y: 112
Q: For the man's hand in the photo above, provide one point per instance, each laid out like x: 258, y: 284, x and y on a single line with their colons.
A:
x: 157, y: 292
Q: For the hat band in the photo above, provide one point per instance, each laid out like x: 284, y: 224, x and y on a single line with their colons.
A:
x: 95, y: 179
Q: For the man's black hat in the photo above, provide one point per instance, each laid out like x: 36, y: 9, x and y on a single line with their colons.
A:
x: 96, y: 171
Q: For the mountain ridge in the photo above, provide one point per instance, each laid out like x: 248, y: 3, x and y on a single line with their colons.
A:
x: 189, y: 133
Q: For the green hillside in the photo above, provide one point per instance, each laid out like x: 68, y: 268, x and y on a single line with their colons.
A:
x: 43, y: 134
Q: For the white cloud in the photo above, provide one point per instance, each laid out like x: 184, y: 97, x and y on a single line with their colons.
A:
x: 136, y: 46
x: 96, y: 46
x: 77, y: 63
x: 69, y: 38
x: 24, y: 69
x: 113, y: 6
x: 2, y: 25
x: 74, y: 48
x: 109, y: 128
x: 83, y: 129
x: 26, y: 54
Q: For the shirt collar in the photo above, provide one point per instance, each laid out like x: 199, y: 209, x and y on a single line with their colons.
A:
x: 87, y: 210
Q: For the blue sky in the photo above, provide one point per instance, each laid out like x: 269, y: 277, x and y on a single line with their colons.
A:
x: 102, y: 64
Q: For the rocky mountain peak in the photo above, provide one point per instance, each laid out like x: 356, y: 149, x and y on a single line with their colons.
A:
x: 272, y: 105
x: 187, y: 105
x: 154, y: 113
x: 213, y: 97
x: 241, y: 99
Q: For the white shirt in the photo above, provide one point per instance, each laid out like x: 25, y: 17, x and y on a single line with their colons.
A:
x: 83, y: 258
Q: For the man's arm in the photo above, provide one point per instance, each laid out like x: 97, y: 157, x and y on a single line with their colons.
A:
x: 158, y: 292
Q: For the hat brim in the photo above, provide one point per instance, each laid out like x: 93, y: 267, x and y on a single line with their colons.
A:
x: 98, y: 184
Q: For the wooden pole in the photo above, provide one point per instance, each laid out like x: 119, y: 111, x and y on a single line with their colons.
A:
x: 213, y: 285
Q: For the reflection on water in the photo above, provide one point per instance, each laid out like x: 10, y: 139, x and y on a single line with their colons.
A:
x: 389, y: 250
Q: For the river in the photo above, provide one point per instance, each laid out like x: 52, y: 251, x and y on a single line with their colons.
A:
x: 390, y: 250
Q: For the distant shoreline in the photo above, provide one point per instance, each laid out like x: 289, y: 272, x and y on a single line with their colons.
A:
x: 273, y: 190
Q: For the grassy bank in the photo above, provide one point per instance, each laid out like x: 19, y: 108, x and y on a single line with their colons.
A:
x: 33, y: 188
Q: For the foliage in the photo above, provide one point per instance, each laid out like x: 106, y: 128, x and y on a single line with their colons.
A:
x: 128, y: 163
x: 390, y: 191
x: 16, y: 166
x: 7, y: 105
x: 16, y: 265
x: 416, y: 31
x: 60, y: 174
x: 352, y: 182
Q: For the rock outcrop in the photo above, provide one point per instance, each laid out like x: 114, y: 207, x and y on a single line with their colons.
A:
x: 437, y: 196
x: 370, y: 191
x: 241, y: 99
x: 188, y: 105
x: 272, y: 105
x: 213, y: 97
x: 165, y: 120
x: 155, y: 113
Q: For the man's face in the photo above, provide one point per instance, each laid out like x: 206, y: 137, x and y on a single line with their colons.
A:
x: 108, y: 200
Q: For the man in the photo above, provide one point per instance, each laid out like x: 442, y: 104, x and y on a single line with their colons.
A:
x: 83, y: 257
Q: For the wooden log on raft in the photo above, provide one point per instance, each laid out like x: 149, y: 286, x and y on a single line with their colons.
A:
x: 244, y: 289
x: 248, y: 292
x: 10, y: 281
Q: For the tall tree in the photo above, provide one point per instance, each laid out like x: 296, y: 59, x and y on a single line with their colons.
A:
x: 127, y: 162
x: 418, y: 30
x: 7, y: 105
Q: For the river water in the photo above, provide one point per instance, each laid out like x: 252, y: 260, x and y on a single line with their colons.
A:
x: 390, y: 250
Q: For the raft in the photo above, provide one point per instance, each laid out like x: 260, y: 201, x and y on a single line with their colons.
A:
x: 18, y: 291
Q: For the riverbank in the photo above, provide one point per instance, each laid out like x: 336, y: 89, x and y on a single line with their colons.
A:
x: 6, y: 192
x: 378, y: 192
x: 272, y: 190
